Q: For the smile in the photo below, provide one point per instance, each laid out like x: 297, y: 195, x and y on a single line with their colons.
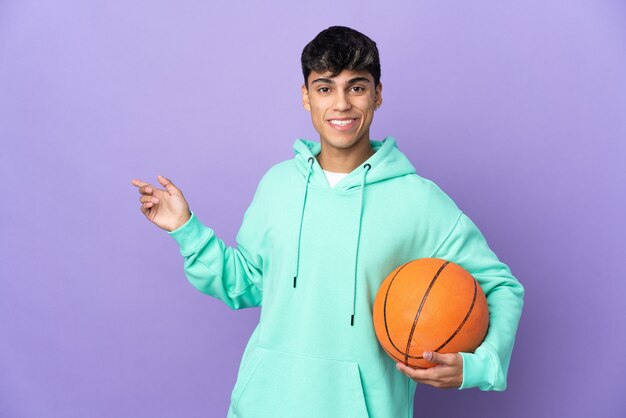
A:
x: 342, y: 124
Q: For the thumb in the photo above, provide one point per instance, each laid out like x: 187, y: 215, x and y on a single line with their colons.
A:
x: 439, y: 358
x: 169, y: 186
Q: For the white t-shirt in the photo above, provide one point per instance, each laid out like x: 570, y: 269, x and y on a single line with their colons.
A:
x: 334, y: 178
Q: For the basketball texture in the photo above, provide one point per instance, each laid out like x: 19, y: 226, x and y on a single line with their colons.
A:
x: 429, y: 304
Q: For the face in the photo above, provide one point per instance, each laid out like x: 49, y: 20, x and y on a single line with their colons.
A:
x: 342, y: 107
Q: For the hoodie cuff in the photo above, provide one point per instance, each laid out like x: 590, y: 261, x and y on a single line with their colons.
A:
x: 478, y: 370
x: 191, y: 235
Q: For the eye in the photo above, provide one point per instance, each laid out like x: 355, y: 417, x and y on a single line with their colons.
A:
x: 323, y: 90
x: 358, y: 89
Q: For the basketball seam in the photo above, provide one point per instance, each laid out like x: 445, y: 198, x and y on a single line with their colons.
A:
x: 385, y: 308
x: 469, y: 312
x: 419, y: 311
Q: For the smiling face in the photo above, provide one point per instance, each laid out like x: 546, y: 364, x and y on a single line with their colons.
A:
x: 342, y: 107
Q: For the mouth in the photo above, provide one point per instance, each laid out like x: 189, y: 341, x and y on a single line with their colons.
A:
x: 343, y: 124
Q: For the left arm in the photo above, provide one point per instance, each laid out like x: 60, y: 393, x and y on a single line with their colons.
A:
x: 487, y: 367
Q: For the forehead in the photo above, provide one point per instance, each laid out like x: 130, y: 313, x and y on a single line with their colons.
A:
x: 341, y: 78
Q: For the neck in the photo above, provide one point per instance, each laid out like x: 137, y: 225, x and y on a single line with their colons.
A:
x: 344, y: 160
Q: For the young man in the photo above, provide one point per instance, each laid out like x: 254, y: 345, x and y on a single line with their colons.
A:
x: 322, y: 232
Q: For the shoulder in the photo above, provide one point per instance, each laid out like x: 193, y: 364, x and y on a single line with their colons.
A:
x: 276, y: 179
x: 280, y: 169
x: 279, y: 174
x: 426, y: 192
x: 435, y: 208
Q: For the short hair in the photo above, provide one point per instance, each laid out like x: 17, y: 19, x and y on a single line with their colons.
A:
x: 340, y: 48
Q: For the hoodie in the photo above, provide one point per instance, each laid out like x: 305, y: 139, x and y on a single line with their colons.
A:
x: 314, y: 257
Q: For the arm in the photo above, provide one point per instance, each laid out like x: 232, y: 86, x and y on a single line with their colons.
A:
x: 232, y: 275
x: 487, y: 367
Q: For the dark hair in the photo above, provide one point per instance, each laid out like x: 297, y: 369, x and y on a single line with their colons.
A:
x: 340, y: 48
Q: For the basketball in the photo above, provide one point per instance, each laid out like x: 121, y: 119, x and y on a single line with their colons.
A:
x: 429, y: 304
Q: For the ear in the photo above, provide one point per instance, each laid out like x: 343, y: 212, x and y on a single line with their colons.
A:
x: 305, y: 98
x: 378, y: 100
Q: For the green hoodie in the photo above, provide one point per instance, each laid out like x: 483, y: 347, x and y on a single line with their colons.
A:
x: 314, y: 257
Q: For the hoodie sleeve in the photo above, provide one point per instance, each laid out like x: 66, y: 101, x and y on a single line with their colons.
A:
x: 232, y: 275
x: 487, y: 367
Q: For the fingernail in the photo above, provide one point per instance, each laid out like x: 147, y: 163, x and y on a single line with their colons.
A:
x: 428, y: 355
x: 148, y: 189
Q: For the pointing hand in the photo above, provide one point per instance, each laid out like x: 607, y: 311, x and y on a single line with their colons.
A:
x: 167, y: 208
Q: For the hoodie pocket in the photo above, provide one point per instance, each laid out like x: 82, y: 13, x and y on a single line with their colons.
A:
x: 286, y: 385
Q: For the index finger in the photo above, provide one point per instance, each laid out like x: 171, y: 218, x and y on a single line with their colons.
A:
x: 138, y: 183
x: 419, y: 373
x: 144, y: 188
x: 440, y: 376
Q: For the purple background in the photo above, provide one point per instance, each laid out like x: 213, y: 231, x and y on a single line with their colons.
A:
x: 517, y: 110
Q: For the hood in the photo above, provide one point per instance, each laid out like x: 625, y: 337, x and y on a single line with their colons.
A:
x: 387, y: 163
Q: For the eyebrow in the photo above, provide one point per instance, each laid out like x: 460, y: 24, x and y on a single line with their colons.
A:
x: 351, y: 81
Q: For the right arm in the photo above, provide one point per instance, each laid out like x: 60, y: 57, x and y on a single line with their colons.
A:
x: 232, y: 275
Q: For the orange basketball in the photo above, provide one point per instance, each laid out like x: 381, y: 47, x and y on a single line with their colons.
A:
x: 429, y: 304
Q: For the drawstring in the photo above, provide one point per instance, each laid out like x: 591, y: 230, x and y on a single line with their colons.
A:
x: 306, y: 189
x: 366, y: 168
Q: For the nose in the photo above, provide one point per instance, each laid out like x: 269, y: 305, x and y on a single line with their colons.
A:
x: 342, y: 101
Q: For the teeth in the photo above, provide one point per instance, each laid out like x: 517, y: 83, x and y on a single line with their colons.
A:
x: 342, y: 122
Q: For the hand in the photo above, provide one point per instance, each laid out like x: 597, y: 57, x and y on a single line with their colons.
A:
x: 448, y: 373
x: 167, y: 208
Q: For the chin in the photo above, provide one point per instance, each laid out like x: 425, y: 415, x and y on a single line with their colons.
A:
x: 341, y: 142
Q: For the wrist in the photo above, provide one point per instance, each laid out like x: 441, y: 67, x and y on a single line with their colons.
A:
x: 180, y: 222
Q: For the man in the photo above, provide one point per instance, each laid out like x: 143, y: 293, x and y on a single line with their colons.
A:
x: 322, y: 232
